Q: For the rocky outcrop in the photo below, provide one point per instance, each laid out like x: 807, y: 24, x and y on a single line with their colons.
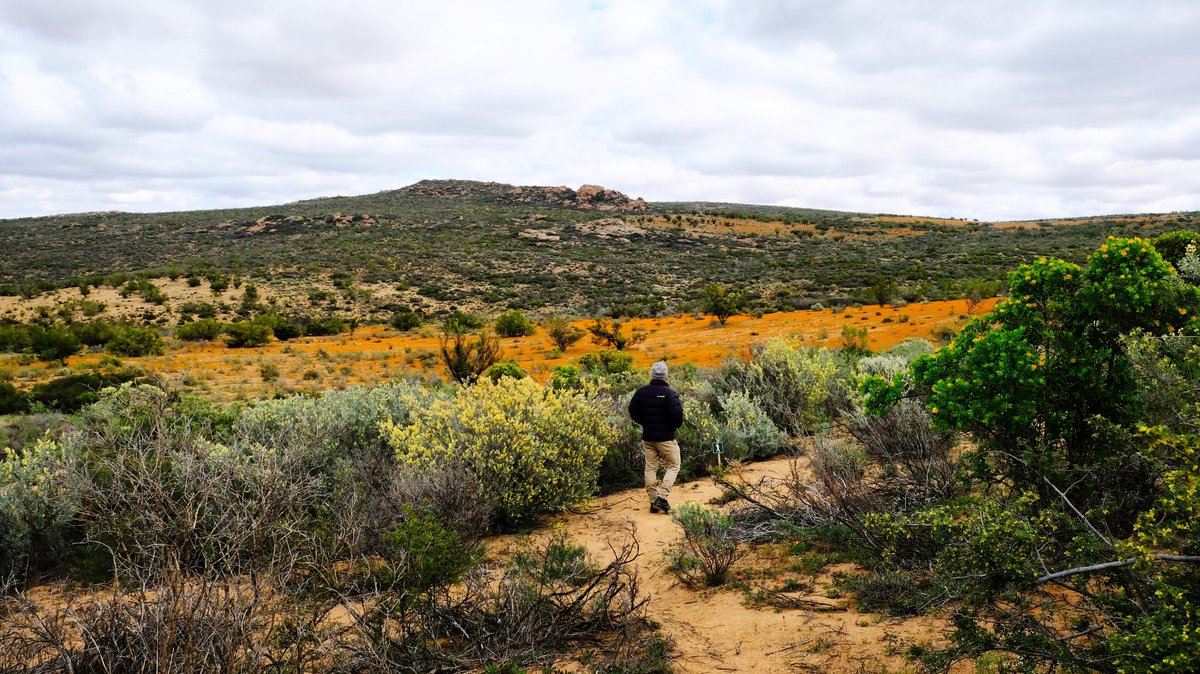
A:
x: 586, y: 198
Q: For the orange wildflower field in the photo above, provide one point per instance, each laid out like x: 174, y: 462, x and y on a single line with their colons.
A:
x: 376, y: 354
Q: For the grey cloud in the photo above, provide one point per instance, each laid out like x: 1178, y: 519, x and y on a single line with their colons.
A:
x: 981, y: 109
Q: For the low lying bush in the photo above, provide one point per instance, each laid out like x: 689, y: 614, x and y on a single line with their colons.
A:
x: 709, y: 547
x: 204, y: 329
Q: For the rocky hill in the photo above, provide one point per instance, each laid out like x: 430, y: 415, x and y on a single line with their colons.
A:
x: 587, y: 197
x: 589, y: 251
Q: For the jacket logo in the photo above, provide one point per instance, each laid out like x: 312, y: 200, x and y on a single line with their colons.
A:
x: 662, y: 396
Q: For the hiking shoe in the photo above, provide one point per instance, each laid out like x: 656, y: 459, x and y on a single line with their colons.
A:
x: 654, y: 506
x: 661, y: 504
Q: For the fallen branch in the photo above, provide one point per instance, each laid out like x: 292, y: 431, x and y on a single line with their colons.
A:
x: 1192, y: 559
x: 742, y: 494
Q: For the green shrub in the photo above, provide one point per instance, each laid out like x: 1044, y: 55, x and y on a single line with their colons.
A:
x: 12, y: 401
x: 605, y: 362
x: 1173, y: 245
x: 894, y: 593
x: 337, y: 425
x: 506, y: 368
x: 95, y: 333
x: 514, y: 324
x: 328, y: 325
x: 709, y: 548
x: 747, y: 432
x: 461, y: 322
x: 14, y: 337
x: 428, y: 557
x: 565, y: 377
x: 205, y: 329
x: 281, y: 328
x: 269, y: 372
x: 406, y: 320
x: 721, y: 302
x: 70, y: 393
x: 534, y: 450
x: 855, y: 341
x: 134, y: 342
x: 52, y: 343
x: 561, y: 333
x: 218, y: 283
x: 1189, y: 264
x: 1163, y: 638
x: 151, y: 293
x: 883, y: 365
x: 246, y: 334
x: 700, y: 430
x: 198, y: 309
x: 911, y: 348
x: 466, y: 358
x: 1051, y: 358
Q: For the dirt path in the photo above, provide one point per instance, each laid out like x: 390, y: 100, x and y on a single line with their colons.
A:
x: 714, y: 631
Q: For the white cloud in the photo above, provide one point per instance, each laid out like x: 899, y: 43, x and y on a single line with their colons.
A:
x: 994, y: 109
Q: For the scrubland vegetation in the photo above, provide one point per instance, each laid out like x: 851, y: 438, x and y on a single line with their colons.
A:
x: 412, y: 250
x: 1033, y: 480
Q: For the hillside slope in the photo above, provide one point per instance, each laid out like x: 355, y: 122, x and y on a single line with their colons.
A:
x: 587, y: 251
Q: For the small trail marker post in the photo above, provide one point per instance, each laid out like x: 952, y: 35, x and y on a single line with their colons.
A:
x: 718, y: 449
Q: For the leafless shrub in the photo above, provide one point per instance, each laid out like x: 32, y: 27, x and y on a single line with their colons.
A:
x: 187, y: 624
x: 548, y: 599
x: 194, y: 506
x: 832, y: 484
x: 904, y: 438
x: 452, y: 494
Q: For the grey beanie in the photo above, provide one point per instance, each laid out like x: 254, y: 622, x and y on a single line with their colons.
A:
x: 658, y: 371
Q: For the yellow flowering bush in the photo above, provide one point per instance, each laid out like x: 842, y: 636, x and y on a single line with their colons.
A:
x: 535, y: 450
x: 37, y: 506
x: 1166, y: 638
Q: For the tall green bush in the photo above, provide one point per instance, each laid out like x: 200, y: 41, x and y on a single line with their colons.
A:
x: 1058, y: 386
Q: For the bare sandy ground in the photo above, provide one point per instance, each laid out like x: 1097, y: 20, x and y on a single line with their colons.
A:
x: 714, y: 629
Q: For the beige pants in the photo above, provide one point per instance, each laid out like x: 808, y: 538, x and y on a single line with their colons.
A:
x: 665, y: 454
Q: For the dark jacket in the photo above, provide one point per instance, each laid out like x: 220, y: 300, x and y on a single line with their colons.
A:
x: 657, y: 408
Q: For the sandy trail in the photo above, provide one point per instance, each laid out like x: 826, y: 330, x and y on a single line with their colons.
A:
x: 713, y: 630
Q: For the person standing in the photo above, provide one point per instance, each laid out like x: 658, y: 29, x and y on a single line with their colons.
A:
x: 657, y: 409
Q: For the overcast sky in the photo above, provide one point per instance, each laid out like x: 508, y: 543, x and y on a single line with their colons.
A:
x: 990, y: 110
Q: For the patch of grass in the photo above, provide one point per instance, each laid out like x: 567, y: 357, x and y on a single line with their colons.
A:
x: 895, y: 593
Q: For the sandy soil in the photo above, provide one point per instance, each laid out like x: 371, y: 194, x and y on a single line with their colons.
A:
x: 714, y: 630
